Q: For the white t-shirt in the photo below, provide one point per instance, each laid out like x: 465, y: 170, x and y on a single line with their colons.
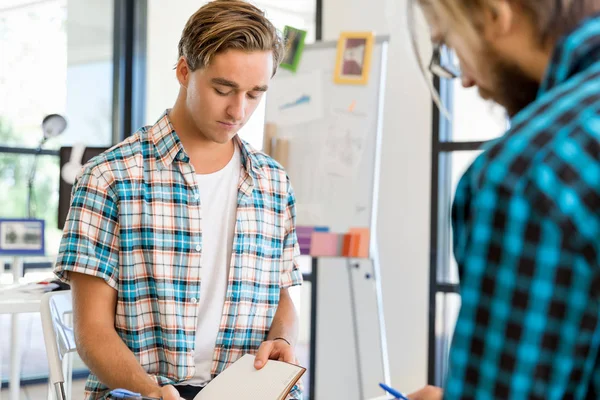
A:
x: 218, y: 198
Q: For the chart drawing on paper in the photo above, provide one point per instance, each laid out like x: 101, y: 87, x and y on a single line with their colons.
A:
x: 344, y: 145
x: 296, y: 100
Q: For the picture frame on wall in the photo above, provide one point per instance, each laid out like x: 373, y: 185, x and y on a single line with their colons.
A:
x: 353, y: 61
x: 24, y: 237
x: 294, y: 46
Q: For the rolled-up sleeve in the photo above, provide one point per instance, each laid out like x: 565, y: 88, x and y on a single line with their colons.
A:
x: 90, y: 241
x: 290, y: 272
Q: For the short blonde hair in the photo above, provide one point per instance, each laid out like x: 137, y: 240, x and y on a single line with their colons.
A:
x: 222, y: 25
x: 550, y: 19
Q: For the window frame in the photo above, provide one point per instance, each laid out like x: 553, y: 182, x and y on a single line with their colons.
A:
x: 442, y: 148
x: 129, y: 76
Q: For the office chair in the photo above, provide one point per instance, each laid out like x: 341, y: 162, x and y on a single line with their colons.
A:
x: 56, y: 311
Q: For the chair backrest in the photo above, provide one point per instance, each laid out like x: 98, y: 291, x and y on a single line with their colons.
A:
x: 58, y: 336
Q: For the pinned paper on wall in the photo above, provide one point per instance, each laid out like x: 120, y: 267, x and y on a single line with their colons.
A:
x: 344, y: 145
x: 296, y: 100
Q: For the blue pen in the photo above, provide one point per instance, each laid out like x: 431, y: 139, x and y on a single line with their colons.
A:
x: 392, y: 391
x: 127, y: 394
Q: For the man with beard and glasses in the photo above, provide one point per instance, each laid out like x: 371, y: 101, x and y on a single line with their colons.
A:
x: 526, y: 215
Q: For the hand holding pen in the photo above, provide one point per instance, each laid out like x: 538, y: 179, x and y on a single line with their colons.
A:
x: 392, y: 391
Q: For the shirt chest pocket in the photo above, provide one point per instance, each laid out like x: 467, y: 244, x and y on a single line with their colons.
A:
x: 259, y: 241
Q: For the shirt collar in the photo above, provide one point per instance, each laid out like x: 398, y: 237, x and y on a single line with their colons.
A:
x: 574, y: 53
x: 250, y: 158
x: 166, y: 142
x: 168, y: 147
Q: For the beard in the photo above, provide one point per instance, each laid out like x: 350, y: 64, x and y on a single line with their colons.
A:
x: 513, y: 89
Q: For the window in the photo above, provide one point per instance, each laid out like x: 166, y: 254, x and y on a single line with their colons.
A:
x: 54, y: 60
x: 474, y: 120
x: 33, y: 68
x: 455, y: 146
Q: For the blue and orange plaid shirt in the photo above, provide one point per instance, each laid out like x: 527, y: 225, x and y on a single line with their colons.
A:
x: 136, y: 222
x: 526, y: 223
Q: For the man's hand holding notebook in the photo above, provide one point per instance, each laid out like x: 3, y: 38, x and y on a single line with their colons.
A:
x: 242, y: 381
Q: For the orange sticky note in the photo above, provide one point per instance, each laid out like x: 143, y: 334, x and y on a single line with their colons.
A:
x: 347, y: 245
x: 360, y: 244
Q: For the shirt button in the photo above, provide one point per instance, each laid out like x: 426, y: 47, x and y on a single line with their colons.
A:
x: 198, y: 248
x: 197, y: 196
x: 181, y: 156
x: 194, y: 300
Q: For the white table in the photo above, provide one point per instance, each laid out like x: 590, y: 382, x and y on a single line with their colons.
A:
x: 15, y: 302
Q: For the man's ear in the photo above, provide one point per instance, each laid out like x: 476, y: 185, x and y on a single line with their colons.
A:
x: 499, y: 19
x: 182, y: 71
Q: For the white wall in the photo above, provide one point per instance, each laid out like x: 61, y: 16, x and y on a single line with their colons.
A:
x: 405, y: 183
x: 165, y: 23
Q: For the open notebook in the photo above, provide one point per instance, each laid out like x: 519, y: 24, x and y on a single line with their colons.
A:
x: 241, y: 381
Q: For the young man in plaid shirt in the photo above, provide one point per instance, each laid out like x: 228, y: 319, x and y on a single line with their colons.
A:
x: 180, y: 243
x: 526, y: 215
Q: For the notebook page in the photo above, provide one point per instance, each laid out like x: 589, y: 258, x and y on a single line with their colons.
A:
x: 242, y: 382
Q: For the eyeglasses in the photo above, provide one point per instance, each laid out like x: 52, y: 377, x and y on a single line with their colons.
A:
x: 442, y: 70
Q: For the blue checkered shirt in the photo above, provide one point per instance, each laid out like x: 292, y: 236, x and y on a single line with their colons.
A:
x: 526, y: 221
x: 135, y: 221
